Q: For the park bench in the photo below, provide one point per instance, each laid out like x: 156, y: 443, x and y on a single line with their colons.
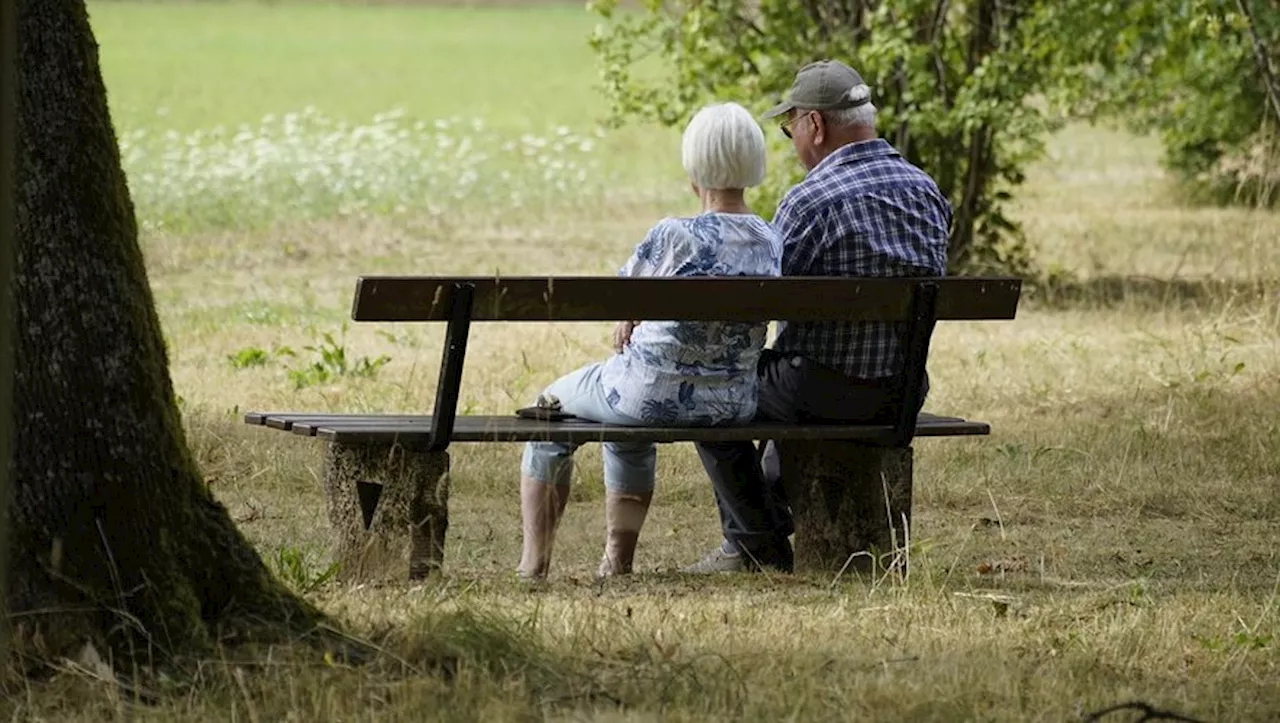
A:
x: 386, y: 476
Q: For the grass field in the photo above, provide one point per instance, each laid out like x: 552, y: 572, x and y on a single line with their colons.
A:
x: 1126, y: 507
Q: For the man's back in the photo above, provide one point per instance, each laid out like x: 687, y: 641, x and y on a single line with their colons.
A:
x: 862, y: 211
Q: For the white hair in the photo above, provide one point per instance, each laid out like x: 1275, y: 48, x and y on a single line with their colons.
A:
x: 723, y: 147
x: 862, y: 115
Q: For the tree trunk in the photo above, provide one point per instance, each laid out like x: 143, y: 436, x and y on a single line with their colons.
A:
x: 115, y: 539
x: 8, y: 145
x: 981, y: 167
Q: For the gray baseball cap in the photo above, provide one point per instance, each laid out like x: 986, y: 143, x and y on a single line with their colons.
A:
x: 823, y: 85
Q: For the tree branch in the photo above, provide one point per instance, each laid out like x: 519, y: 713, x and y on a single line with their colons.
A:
x: 1263, y: 59
x: 936, y: 39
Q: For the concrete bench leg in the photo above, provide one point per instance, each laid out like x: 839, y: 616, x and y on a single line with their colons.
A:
x: 389, y: 507
x: 851, y: 504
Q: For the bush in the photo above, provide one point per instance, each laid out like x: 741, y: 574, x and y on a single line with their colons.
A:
x: 1199, y: 73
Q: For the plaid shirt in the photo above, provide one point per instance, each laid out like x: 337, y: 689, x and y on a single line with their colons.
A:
x: 862, y: 211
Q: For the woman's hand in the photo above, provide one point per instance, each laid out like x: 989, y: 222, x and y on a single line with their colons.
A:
x: 622, y: 334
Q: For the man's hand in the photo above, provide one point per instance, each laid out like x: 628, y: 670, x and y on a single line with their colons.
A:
x: 622, y: 334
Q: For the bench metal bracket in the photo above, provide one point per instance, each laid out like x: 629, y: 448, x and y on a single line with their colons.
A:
x: 461, y: 300
x: 915, y: 358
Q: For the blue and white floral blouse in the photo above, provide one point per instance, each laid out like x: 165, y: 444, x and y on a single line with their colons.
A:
x: 694, y: 373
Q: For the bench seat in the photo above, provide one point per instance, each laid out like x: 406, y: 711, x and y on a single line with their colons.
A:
x: 415, y: 430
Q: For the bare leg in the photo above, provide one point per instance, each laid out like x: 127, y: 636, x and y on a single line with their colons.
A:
x: 541, y: 506
x: 624, y: 516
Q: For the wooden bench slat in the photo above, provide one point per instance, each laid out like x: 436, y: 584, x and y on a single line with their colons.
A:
x: 309, y: 427
x: 302, y: 421
x: 610, y: 298
x: 415, y: 429
x: 502, y: 429
x: 284, y: 420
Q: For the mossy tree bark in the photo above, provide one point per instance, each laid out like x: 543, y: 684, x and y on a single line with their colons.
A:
x: 115, y: 537
x: 8, y: 99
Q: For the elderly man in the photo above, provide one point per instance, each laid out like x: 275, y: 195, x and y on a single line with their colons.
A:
x: 861, y: 210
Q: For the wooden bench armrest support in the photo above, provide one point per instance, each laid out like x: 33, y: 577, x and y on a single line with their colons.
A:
x: 915, y: 358
x: 461, y: 301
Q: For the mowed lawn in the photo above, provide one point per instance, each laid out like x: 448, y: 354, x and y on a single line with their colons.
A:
x: 1114, y: 539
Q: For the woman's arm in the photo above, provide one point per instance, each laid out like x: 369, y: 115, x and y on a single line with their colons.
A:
x: 653, y: 256
x: 664, y: 249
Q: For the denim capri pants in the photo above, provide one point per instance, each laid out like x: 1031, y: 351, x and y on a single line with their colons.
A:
x: 628, y: 466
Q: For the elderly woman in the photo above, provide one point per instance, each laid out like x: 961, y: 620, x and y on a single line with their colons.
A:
x: 664, y: 372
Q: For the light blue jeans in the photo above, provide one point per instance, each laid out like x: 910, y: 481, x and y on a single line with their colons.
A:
x: 628, y: 466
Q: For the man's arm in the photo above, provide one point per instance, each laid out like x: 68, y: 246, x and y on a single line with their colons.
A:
x: 800, y: 232
x: 800, y: 229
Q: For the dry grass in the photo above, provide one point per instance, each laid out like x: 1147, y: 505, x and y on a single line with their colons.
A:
x: 1126, y: 503
x: 1125, y: 509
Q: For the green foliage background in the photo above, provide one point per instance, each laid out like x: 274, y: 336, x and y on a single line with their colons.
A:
x: 967, y: 89
x: 1191, y: 72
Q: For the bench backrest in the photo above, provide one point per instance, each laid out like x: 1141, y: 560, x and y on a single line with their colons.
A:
x: 611, y: 298
x: 918, y: 302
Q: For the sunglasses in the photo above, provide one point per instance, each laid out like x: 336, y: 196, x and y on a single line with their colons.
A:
x: 785, y: 125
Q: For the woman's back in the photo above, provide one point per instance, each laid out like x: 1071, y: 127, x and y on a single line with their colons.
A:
x: 694, y: 372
